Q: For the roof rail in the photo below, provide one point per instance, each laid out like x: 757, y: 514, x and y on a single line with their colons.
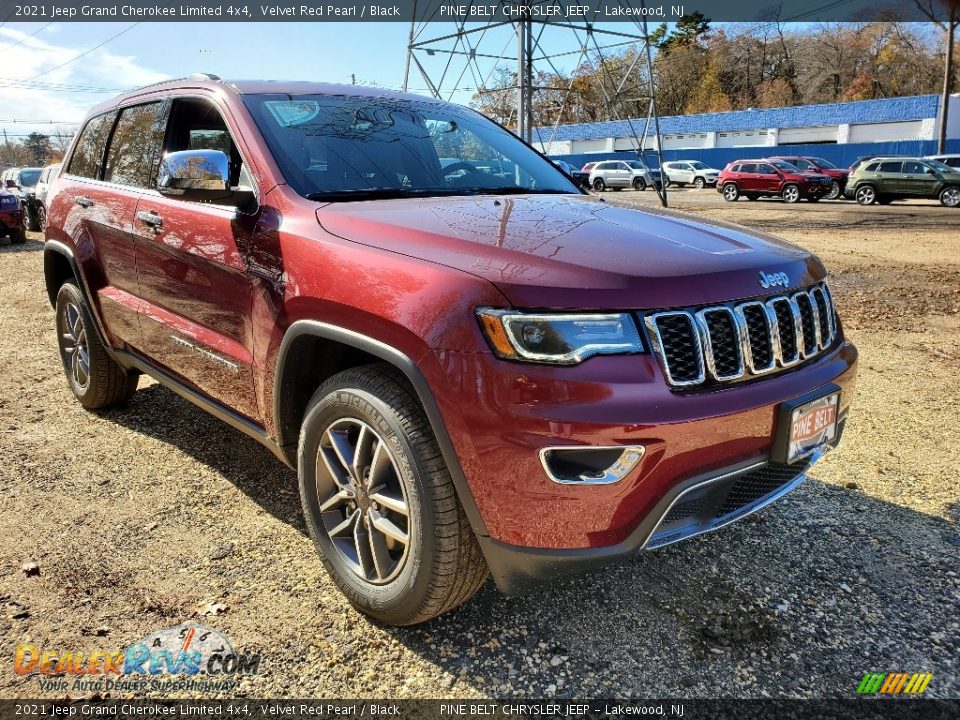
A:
x: 202, y: 76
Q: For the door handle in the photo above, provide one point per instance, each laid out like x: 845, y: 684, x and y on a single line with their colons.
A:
x: 151, y: 219
x: 84, y: 202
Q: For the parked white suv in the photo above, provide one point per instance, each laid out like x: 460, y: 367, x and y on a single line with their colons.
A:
x: 950, y: 160
x: 690, y: 172
x: 616, y: 174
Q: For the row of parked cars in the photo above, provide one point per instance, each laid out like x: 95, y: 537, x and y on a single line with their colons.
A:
x: 872, y: 179
x: 23, y: 193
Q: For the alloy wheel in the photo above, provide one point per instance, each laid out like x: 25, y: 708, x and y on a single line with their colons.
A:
x: 866, y: 195
x: 730, y: 192
x: 73, y: 344
x: 834, y: 191
x: 363, y: 501
x: 698, y: 183
x: 950, y: 197
x: 791, y: 194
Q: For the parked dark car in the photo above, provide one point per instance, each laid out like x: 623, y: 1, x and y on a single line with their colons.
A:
x: 769, y: 178
x: 883, y: 180
x: 810, y: 164
x: 11, y: 217
x: 472, y: 373
x: 581, y: 178
x: 25, y: 185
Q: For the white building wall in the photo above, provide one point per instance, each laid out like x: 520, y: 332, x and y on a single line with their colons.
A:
x: 746, y: 138
x: 824, y: 134
x: 884, y: 132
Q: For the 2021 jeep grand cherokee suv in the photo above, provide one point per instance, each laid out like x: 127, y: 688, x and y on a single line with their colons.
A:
x: 474, y: 367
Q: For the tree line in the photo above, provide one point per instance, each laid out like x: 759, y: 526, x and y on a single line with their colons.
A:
x: 701, y: 68
x: 35, y: 149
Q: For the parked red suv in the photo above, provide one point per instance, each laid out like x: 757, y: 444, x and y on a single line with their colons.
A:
x: 474, y: 366
x: 806, y: 163
x: 11, y: 217
x: 766, y: 178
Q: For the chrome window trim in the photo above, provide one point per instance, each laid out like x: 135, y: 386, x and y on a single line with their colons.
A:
x: 607, y: 478
x: 707, y: 342
x: 651, y: 322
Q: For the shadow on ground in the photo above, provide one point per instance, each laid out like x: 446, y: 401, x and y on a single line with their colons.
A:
x: 800, y: 599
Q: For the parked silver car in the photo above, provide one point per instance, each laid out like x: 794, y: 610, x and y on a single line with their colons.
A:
x: 617, y: 174
x: 40, y: 194
x: 690, y: 172
x: 950, y: 160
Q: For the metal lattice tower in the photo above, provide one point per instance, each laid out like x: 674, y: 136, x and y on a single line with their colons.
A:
x: 448, y: 54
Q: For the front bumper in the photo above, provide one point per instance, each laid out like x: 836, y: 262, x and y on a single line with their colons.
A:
x: 10, y: 220
x: 536, y: 527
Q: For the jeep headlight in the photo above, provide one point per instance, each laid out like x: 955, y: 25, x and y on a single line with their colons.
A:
x: 558, y: 338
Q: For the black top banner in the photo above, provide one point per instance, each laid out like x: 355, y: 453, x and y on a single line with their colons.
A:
x: 569, y: 12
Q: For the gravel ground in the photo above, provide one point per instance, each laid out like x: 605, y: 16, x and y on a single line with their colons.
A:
x: 145, y: 517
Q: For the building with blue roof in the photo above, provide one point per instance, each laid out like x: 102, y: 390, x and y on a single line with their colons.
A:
x: 841, y: 132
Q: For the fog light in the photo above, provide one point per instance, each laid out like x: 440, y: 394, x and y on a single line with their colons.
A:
x: 590, y: 464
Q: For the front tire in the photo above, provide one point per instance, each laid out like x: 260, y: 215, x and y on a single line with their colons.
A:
x: 790, y: 194
x: 379, y: 501
x: 95, y: 379
x: 639, y: 184
x: 731, y: 193
x: 699, y: 183
x: 599, y: 185
x: 950, y: 197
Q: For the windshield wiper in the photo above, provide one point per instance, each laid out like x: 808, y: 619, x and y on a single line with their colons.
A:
x: 365, y: 194
x: 393, y: 193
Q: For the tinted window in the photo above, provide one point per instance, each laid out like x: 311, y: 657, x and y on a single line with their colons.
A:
x: 952, y: 162
x: 135, y: 146
x: 872, y: 167
x: 747, y: 168
x: 891, y: 167
x: 89, y: 150
x: 735, y: 168
x: 915, y: 168
x: 803, y: 164
x: 765, y: 169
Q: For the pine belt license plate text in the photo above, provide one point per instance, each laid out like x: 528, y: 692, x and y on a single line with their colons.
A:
x: 812, y: 425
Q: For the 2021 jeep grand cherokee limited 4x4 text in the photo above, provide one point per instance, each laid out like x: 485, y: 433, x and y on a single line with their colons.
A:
x: 474, y: 367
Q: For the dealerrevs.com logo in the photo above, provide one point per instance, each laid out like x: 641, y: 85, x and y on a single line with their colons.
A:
x: 184, y: 657
x: 894, y: 683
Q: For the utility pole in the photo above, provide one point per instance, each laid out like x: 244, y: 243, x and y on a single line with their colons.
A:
x: 951, y: 28
x: 353, y: 79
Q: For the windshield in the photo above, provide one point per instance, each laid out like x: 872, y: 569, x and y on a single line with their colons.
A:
x: 697, y: 165
x: 785, y: 166
x: 939, y: 166
x: 30, y: 176
x: 342, y: 148
x: 825, y: 164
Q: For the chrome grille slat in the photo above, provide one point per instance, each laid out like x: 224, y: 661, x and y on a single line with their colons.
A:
x: 726, y: 343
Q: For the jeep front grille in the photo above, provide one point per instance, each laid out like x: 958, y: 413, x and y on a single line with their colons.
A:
x: 735, y: 341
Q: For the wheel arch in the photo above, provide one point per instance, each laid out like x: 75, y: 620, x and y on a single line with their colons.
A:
x: 312, y: 351
x: 59, y: 266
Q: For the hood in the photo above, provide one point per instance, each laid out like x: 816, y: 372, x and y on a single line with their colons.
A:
x: 577, y: 252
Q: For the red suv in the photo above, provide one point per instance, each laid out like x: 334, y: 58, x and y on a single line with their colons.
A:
x: 11, y: 217
x: 475, y: 367
x: 806, y: 163
x: 770, y: 177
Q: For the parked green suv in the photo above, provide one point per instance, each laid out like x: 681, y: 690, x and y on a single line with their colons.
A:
x: 883, y: 180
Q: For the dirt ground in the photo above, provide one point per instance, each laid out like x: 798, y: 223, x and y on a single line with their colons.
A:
x: 156, y: 514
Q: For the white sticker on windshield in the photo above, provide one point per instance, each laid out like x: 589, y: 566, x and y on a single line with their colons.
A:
x: 293, y: 112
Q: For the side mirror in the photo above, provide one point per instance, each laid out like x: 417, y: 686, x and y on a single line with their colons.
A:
x: 200, y: 176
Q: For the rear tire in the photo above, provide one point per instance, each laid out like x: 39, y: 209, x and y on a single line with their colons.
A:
x: 402, y: 554
x: 95, y: 379
x: 866, y: 195
x: 731, y: 193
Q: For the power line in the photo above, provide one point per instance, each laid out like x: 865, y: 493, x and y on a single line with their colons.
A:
x: 83, y: 54
x: 24, y: 39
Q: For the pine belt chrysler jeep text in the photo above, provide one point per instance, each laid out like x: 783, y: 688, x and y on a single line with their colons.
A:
x: 476, y: 368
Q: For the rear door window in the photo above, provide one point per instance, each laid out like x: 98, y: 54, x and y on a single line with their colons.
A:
x: 748, y: 168
x: 764, y: 169
x: 88, y: 153
x: 134, y: 151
